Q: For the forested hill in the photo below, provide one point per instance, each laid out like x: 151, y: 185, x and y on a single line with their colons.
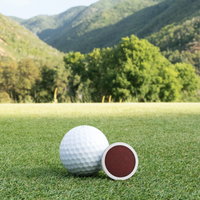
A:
x: 180, y: 42
x: 104, y: 23
x: 40, y: 23
x: 99, y: 30
x: 178, y: 36
x: 17, y: 19
x: 78, y: 26
x: 103, y: 30
x: 46, y: 26
x: 17, y: 42
x: 172, y: 25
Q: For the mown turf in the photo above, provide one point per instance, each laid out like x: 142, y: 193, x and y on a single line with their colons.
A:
x: 166, y: 138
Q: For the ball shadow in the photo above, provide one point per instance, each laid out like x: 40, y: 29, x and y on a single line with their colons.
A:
x: 53, y: 171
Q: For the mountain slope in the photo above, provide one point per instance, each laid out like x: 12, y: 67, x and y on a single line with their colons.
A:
x: 142, y: 23
x: 95, y: 8
x: 17, y: 42
x: 60, y: 30
x: 95, y: 30
x: 104, y: 23
x: 42, y: 22
x: 74, y: 15
x: 176, y: 11
x: 17, y: 19
x: 180, y: 42
x: 177, y: 36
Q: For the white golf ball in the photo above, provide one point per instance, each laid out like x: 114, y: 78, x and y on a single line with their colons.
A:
x: 81, y: 150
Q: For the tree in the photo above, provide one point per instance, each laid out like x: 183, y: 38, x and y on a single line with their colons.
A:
x: 97, y: 76
x: 28, y: 73
x: 76, y: 66
x: 43, y: 90
x: 142, y: 72
x: 187, y: 77
x: 134, y: 69
x: 9, y: 78
x: 62, y: 83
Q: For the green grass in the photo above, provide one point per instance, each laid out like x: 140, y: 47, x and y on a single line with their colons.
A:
x: 166, y: 138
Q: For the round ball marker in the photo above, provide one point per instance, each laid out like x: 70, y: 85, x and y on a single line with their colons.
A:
x: 119, y: 161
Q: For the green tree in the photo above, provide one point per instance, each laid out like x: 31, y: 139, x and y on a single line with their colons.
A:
x: 76, y: 66
x: 28, y: 73
x: 142, y: 72
x: 62, y: 83
x: 135, y: 69
x: 44, y: 88
x: 9, y: 78
x: 95, y: 76
x: 187, y: 77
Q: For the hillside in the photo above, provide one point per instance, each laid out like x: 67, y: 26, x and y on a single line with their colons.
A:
x: 44, y: 22
x: 17, y: 19
x: 17, y: 42
x: 180, y: 42
x: 177, y: 36
x: 168, y: 24
x: 94, y: 31
x: 59, y: 30
x: 67, y: 19
x: 98, y: 32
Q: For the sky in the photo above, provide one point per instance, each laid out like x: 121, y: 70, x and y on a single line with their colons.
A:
x: 26, y: 9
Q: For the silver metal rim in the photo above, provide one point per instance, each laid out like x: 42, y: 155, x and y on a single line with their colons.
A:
x: 104, y: 165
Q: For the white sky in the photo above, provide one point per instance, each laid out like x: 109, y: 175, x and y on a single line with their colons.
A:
x: 26, y: 9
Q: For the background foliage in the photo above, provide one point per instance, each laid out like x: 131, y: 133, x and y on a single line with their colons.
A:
x: 24, y: 82
x: 172, y: 25
x: 132, y: 70
x: 17, y: 42
x: 104, y: 23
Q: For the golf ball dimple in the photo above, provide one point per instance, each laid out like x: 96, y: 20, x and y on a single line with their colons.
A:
x: 81, y: 150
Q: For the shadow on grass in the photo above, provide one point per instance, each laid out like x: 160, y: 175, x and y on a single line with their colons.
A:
x: 55, y: 172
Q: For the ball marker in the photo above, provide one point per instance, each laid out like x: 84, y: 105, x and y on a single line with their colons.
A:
x: 119, y: 161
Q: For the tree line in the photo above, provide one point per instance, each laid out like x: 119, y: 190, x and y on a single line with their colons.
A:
x: 24, y: 81
x: 180, y: 42
x: 189, y: 57
x: 176, y: 36
x: 134, y: 70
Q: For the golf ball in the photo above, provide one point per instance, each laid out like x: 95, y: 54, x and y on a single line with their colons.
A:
x: 81, y: 150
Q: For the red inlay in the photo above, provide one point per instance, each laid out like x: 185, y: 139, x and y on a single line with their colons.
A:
x: 120, y: 161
